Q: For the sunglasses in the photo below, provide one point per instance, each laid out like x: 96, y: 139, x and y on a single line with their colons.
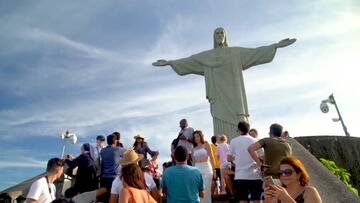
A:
x: 286, y: 172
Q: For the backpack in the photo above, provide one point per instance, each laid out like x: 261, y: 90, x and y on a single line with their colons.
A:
x: 175, y: 142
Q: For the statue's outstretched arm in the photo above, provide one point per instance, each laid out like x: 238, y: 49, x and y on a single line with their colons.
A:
x: 285, y: 42
x: 161, y: 62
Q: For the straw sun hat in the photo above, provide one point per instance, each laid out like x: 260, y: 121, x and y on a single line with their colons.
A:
x: 130, y: 156
x: 139, y: 136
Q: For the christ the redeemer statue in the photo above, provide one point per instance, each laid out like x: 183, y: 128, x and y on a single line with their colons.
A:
x: 222, y: 68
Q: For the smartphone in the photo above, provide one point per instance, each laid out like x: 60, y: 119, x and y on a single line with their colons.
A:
x: 268, y: 180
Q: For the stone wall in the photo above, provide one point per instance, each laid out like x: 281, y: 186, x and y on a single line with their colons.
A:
x: 344, y: 151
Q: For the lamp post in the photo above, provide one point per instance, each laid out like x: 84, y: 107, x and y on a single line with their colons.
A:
x: 325, y: 109
x: 67, y: 135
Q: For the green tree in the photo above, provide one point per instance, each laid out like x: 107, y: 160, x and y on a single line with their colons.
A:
x: 341, y: 173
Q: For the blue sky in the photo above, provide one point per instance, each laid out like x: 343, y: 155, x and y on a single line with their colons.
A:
x: 85, y: 66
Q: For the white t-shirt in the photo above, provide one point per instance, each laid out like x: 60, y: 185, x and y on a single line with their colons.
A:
x: 85, y: 197
x: 188, y: 132
x: 97, y: 151
x: 117, y: 184
x: 245, y: 166
x: 39, y: 191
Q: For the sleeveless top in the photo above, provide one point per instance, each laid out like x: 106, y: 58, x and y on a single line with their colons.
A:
x: 133, y: 197
x: 299, y: 198
x: 200, y: 153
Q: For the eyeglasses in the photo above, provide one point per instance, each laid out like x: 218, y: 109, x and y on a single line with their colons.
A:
x: 286, y: 172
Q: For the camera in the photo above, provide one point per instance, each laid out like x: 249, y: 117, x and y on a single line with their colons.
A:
x: 324, y: 107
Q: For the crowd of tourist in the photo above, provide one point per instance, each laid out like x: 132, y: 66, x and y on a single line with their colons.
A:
x: 246, y: 170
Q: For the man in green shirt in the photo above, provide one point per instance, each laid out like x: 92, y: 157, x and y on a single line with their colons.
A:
x: 275, y: 148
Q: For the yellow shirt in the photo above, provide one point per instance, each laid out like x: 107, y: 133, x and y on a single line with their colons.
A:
x: 213, y: 150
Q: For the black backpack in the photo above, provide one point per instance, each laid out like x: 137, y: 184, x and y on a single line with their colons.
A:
x: 175, y: 142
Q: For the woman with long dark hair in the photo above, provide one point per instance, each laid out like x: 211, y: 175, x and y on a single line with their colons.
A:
x: 203, y: 160
x: 134, y: 186
x: 141, y: 147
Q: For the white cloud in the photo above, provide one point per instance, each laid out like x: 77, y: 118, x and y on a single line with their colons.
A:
x: 22, y: 163
x: 89, y: 50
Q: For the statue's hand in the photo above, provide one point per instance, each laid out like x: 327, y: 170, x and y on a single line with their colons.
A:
x: 161, y: 62
x: 285, y: 42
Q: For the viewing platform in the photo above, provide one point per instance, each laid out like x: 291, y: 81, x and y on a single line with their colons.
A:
x: 331, y: 189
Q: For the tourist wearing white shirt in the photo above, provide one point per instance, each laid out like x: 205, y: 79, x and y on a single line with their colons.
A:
x: 246, y: 171
x: 43, y: 190
x: 117, y: 184
x: 185, y: 138
x: 100, y: 144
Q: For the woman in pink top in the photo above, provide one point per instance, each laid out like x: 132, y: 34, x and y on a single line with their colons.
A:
x: 222, y: 151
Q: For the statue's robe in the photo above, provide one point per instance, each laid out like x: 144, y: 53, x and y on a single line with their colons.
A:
x: 225, y: 90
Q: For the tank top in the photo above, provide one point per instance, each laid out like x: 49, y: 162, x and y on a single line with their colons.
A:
x: 133, y: 197
x: 200, y: 153
x: 300, y: 198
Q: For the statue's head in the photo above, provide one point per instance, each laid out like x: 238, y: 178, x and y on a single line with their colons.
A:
x: 220, y: 38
